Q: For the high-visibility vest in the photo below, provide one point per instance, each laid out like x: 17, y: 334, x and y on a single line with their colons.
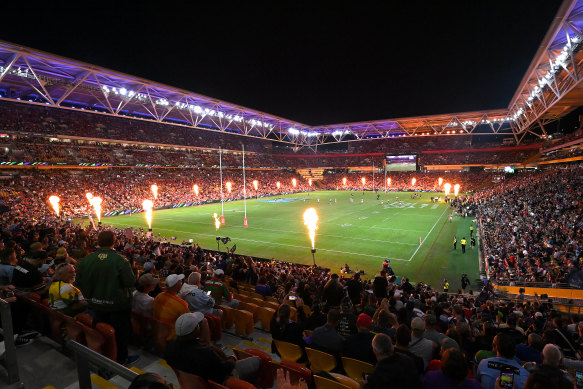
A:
x: 463, y: 241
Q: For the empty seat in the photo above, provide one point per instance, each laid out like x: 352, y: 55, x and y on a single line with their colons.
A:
x: 320, y: 361
x: 190, y: 381
x: 355, y: 368
x: 244, y: 323
x: 288, y: 351
x: 110, y: 345
x: 228, y: 316
x: 234, y: 383
x: 215, y: 326
x: 265, y: 315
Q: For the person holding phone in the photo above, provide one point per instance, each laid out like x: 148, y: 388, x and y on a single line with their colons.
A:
x: 197, y: 299
x: 490, y: 369
x: 550, y: 367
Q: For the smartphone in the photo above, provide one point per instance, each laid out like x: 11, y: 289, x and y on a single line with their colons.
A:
x: 208, y: 293
x: 579, y: 379
x: 292, y: 298
x: 364, y: 377
x: 506, y: 380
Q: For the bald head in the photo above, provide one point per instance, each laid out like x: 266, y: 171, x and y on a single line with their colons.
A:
x: 194, y: 278
x: 382, y: 346
x: 551, y: 355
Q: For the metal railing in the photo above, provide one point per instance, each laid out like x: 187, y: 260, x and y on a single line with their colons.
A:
x: 85, y: 356
x: 11, y: 362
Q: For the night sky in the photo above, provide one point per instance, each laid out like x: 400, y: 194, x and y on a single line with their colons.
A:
x: 316, y: 62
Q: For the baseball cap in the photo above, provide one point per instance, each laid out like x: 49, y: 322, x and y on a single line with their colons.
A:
x: 187, y: 323
x: 173, y: 279
x: 418, y: 324
x: 148, y: 279
x: 364, y: 320
x: 219, y: 272
x: 61, y: 252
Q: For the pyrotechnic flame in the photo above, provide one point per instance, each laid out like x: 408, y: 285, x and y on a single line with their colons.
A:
x: 439, y: 181
x: 363, y: 180
x: 148, y: 205
x: 195, y: 189
x: 447, y: 187
x: 229, y: 186
x: 456, y: 189
x: 310, y: 182
x: 89, y: 197
x: 413, y: 181
x: 54, y: 200
x: 255, y: 184
x: 155, y: 191
x: 344, y: 181
x: 311, y: 221
x: 388, y: 182
x: 217, y: 221
x: 294, y: 182
x: 278, y: 184
x: 96, y: 202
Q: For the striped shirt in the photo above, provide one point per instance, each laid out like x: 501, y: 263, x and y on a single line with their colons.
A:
x: 218, y: 290
x: 167, y: 308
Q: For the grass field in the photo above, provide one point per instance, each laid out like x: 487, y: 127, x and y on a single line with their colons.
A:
x: 360, y: 234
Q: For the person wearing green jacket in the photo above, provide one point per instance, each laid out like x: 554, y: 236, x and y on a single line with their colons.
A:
x: 105, y: 279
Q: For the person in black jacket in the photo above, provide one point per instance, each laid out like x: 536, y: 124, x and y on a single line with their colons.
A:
x: 392, y: 370
x: 282, y: 328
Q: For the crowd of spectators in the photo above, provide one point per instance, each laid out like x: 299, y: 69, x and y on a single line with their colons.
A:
x: 532, y: 226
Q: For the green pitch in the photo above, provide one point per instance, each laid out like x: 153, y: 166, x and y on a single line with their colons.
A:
x: 360, y: 234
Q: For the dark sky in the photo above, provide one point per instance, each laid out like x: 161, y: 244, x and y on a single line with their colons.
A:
x: 317, y: 62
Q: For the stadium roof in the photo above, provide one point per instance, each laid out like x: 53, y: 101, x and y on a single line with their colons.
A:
x: 550, y: 89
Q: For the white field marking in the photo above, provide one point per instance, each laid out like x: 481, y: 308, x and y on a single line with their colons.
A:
x: 434, y: 206
x: 423, y: 241
x: 396, y: 229
x: 300, y: 233
x: 278, y: 244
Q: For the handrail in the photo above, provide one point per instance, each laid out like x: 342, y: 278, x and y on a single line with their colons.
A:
x: 84, y: 355
x: 11, y: 361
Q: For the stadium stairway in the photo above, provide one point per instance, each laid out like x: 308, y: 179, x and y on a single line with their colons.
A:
x: 44, y: 363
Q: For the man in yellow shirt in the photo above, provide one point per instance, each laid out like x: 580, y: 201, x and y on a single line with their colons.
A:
x: 168, y: 306
x: 463, y: 242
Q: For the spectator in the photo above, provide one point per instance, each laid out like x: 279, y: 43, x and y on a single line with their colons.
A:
x: 504, y: 348
x: 392, y: 369
x: 105, y: 278
x: 262, y: 288
x: 142, y: 301
x: 282, y: 328
x: 192, y: 354
x: 63, y: 296
x: 333, y: 292
x: 550, y: 368
x: 420, y: 346
x: 326, y: 338
x: 219, y: 291
x: 359, y: 345
x: 197, y: 299
x: 403, y: 338
x: 167, y: 305
x: 453, y: 373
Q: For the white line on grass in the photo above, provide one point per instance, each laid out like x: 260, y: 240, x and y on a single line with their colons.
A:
x: 276, y: 243
x: 301, y: 233
x: 423, y: 241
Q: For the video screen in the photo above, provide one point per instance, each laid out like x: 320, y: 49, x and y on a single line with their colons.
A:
x: 401, y: 163
x: 508, y: 169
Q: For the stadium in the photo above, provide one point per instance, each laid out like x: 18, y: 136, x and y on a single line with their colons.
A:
x: 153, y: 236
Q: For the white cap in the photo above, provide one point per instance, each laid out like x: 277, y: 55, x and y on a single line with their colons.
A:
x: 172, y: 279
x: 187, y: 322
x: 219, y: 272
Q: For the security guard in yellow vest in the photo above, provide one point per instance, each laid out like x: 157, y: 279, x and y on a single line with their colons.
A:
x: 445, y: 286
x: 463, y: 245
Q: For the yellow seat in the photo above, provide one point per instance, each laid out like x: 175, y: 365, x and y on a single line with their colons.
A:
x: 355, y: 368
x: 325, y: 383
x: 243, y: 322
x: 250, y: 307
x: 320, y: 361
x: 344, y: 380
x: 307, y: 310
x: 265, y: 315
x: 272, y: 299
x: 269, y: 304
x: 288, y: 351
x: 228, y: 318
x: 257, y: 296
